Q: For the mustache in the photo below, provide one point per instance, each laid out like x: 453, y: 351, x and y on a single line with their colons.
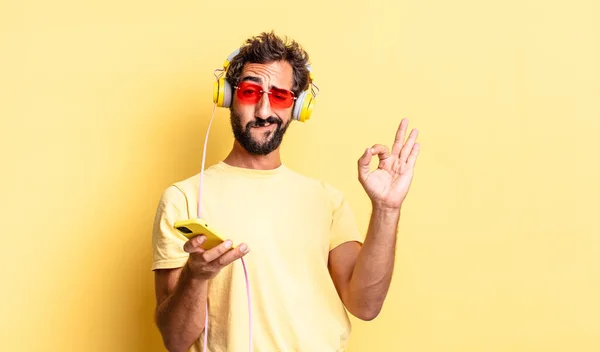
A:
x: 261, y: 122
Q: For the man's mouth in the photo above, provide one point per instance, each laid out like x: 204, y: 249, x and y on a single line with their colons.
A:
x: 266, y: 124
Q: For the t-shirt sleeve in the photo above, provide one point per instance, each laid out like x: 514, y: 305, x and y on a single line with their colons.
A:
x: 167, y: 243
x: 343, y: 225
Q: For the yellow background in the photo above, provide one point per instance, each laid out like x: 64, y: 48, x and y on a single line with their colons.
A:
x: 105, y: 103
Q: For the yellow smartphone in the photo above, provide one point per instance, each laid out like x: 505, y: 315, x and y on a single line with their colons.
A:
x: 196, y: 226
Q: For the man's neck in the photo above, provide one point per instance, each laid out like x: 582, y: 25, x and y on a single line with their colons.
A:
x: 240, y: 157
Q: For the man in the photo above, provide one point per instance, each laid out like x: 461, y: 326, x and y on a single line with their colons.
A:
x: 308, y: 263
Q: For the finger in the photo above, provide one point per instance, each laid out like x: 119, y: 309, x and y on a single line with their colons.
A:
x: 399, y: 140
x: 217, y: 251
x: 364, y: 163
x: 381, y: 151
x: 233, y: 255
x: 193, y: 245
x: 412, y: 158
x: 406, y: 149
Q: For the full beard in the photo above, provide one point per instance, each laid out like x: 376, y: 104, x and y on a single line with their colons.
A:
x: 244, y: 135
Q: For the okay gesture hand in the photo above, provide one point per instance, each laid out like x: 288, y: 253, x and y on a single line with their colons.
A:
x: 388, y: 185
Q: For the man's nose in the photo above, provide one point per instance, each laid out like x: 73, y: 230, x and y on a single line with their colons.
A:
x: 263, y: 107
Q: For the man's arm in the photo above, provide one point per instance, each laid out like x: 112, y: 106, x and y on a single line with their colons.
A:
x: 362, y: 276
x: 181, y: 294
x: 181, y: 307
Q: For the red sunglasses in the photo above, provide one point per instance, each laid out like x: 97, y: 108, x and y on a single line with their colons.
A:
x: 250, y: 93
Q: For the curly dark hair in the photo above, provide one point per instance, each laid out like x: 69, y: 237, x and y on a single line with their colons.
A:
x: 266, y: 48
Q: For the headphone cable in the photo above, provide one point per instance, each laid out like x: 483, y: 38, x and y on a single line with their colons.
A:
x: 243, y: 263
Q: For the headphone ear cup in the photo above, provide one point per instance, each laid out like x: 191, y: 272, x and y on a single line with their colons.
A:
x: 227, y: 94
x: 222, y: 93
x: 298, y: 106
x: 303, y: 106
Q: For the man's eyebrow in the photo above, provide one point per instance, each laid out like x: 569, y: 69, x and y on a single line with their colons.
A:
x: 258, y: 80
x: 253, y: 79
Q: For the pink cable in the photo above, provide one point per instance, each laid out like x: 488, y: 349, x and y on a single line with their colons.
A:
x: 243, y: 263
x: 204, y: 160
x: 249, y: 305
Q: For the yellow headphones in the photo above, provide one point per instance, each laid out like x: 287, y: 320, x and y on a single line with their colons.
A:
x: 223, y: 93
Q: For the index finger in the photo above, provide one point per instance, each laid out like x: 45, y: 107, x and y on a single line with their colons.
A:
x: 400, y: 135
x: 233, y: 255
x: 217, y: 251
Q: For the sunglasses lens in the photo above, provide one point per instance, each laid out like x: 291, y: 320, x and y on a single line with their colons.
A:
x: 250, y: 93
x: 281, y: 98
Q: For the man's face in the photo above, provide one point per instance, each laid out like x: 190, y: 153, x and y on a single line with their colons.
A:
x: 259, y: 127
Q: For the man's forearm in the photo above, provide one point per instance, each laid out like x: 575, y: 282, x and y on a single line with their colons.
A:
x: 180, y: 318
x: 373, y: 269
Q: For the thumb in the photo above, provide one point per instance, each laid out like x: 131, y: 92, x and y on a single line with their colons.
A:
x: 364, y: 164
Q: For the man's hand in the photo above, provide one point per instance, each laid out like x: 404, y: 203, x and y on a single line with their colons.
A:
x: 388, y: 185
x: 206, y: 264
